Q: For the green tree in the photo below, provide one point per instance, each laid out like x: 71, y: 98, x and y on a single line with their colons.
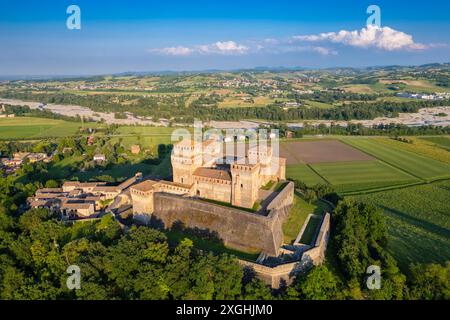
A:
x: 430, y: 281
x: 318, y: 284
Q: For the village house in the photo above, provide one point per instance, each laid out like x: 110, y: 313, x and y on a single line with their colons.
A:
x: 135, y: 149
x: 80, y: 200
x: 32, y: 157
x: 99, y: 158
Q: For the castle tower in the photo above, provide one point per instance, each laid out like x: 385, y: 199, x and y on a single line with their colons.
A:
x: 245, y: 184
x: 142, y: 197
x: 186, y: 158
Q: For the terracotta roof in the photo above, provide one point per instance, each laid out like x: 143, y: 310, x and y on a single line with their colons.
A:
x: 145, y: 186
x: 48, y: 195
x: 82, y: 184
x: 77, y: 205
x: 105, y: 189
x: 50, y: 190
x: 40, y: 203
x: 213, y: 173
x: 176, y: 184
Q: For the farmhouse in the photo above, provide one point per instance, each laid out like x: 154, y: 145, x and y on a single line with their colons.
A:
x: 135, y: 149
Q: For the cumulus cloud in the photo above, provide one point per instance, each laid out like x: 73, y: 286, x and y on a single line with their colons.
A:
x: 173, y: 51
x: 220, y: 47
x: 384, y: 38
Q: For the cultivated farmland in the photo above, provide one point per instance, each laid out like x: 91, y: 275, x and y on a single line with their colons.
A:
x: 303, y: 173
x: 443, y: 142
x: 362, y: 175
x: 418, y: 220
x: 420, y: 166
x: 38, y: 128
x: 320, y: 151
x: 34, y: 128
x: 419, y: 146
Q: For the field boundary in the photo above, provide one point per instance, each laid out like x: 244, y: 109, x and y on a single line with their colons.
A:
x: 382, y: 189
x: 315, y: 171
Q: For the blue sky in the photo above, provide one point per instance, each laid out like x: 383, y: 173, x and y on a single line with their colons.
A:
x: 119, y: 36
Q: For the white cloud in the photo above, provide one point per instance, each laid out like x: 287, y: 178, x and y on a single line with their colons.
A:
x: 173, y: 51
x: 220, y: 47
x: 227, y: 47
x: 384, y: 38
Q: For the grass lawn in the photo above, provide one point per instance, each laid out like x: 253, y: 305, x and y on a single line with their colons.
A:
x: 362, y: 175
x: 119, y: 172
x: 418, y: 220
x: 144, y: 130
x: 269, y: 185
x: 34, y: 128
x: 146, y: 137
x: 317, y: 104
x: 303, y: 173
x: 420, y: 166
x: 298, y: 214
x: 60, y: 170
x: 176, y: 236
x: 309, y: 234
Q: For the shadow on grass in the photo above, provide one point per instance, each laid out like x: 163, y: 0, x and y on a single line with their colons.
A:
x: 430, y: 227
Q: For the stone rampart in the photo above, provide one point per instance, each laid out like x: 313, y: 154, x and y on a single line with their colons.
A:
x: 239, y: 229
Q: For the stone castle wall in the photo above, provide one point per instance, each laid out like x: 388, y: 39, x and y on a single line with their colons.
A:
x: 238, y: 229
x: 286, y: 273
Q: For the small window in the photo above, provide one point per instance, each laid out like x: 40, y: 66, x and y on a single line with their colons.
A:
x: 242, y: 186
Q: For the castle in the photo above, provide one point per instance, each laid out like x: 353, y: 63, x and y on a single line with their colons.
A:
x: 201, y: 171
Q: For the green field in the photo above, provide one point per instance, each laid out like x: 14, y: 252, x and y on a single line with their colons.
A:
x: 146, y: 137
x: 362, y: 175
x: 443, y: 142
x: 418, y: 220
x: 419, y: 166
x: 34, y: 128
x: 303, y: 173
